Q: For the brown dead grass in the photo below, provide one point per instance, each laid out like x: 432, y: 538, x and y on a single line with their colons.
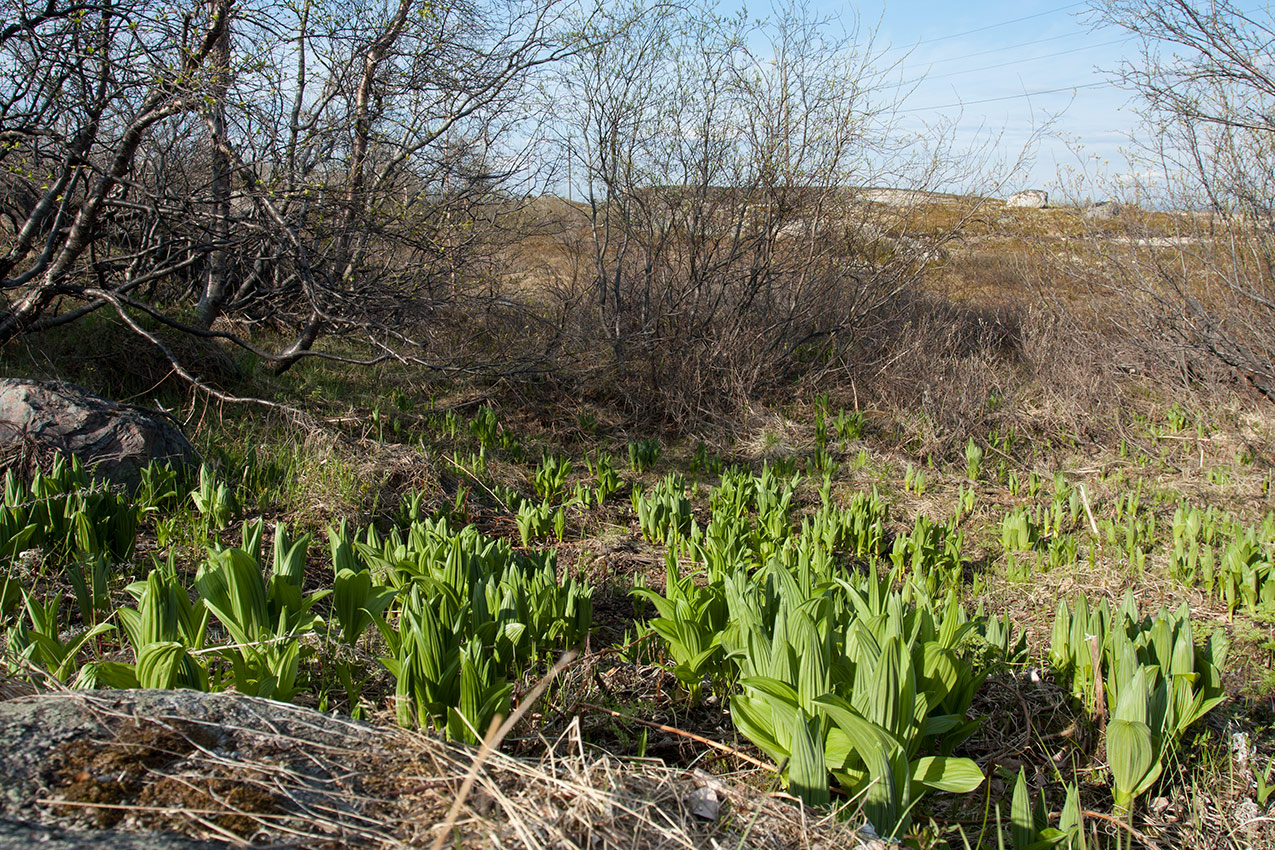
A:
x: 390, y: 788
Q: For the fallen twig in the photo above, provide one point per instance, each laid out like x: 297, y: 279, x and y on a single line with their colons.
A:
x: 691, y: 735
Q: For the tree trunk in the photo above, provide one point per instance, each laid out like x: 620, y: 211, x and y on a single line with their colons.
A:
x: 217, y: 285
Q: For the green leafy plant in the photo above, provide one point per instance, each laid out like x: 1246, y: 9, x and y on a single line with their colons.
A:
x: 213, y: 499
x: 1246, y: 573
x: 485, y: 426
x: 1029, y: 822
x: 849, y: 426
x: 68, y: 513
x: 643, y: 454
x: 39, y: 638
x: 1263, y: 786
x: 841, y: 677
x: 535, y: 521
x: 966, y: 499
x: 870, y: 741
x: 89, y: 580
x: 264, y: 617
x: 357, y: 602
x: 518, y: 604
x: 914, y: 480
x: 443, y: 680
x: 664, y: 515
x: 1020, y: 532
x: 691, y: 621
x: 1156, y: 706
x: 705, y: 461
x: 1136, y: 739
x: 165, y: 631
x: 998, y: 634
x: 160, y: 486
x: 469, y: 610
x: 973, y: 460
x: 551, y: 477
x: 931, y: 555
x: 604, y: 474
x: 1158, y: 680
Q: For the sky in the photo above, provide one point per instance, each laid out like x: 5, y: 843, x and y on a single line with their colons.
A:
x: 1029, y: 83
x: 1006, y: 71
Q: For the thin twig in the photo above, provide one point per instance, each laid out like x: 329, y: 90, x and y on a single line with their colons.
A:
x: 164, y: 810
x: 1109, y: 819
x: 492, y: 741
x: 478, y: 481
x: 1084, y: 498
x: 691, y: 735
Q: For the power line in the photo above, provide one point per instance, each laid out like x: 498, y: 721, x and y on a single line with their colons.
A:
x: 1019, y: 61
x: 1005, y: 97
x: 993, y: 26
x: 1008, y: 47
x: 925, y: 78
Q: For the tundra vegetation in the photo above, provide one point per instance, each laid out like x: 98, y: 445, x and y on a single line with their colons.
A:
x: 944, y: 517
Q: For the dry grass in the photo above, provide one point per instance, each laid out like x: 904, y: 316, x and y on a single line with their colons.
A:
x: 344, y: 784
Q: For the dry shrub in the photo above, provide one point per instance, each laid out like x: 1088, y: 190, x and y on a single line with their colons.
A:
x: 1180, y: 297
x: 691, y: 348
x: 944, y: 368
x: 102, y: 353
x: 948, y: 368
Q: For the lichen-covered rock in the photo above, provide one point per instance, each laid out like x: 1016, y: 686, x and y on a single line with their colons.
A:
x: 1102, y: 211
x: 113, y: 440
x: 131, y: 768
x: 121, y: 768
x: 24, y: 835
x: 1034, y: 199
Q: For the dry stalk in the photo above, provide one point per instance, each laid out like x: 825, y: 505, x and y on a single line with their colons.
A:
x: 492, y: 740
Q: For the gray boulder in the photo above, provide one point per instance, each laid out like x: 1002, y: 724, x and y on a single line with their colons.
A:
x: 1102, y: 211
x: 131, y: 768
x: 1034, y: 199
x: 24, y: 835
x: 113, y: 440
x: 122, y: 768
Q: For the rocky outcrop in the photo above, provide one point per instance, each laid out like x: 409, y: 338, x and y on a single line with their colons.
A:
x: 1035, y: 199
x: 23, y: 835
x: 137, y: 768
x: 1102, y: 211
x: 113, y: 440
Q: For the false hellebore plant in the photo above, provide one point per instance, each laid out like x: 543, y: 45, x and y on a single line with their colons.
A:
x: 876, y: 697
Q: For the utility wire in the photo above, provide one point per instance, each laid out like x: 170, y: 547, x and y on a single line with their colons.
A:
x: 925, y: 77
x: 1016, y: 61
x: 991, y: 26
x: 1033, y: 58
x: 1077, y: 34
x: 1005, y: 97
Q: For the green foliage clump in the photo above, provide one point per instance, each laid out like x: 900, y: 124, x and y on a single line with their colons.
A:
x: 1150, y: 670
x: 69, y: 513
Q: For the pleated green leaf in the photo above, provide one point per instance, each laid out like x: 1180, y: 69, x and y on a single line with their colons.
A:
x: 807, y: 772
x: 947, y: 773
x: 1131, y: 753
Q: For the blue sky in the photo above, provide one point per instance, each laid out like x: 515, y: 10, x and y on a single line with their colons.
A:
x: 1007, y: 68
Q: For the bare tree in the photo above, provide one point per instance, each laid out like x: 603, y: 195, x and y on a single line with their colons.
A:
x: 314, y: 168
x: 1204, y: 77
x: 274, y: 174
x: 91, y: 83
x: 723, y: 163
